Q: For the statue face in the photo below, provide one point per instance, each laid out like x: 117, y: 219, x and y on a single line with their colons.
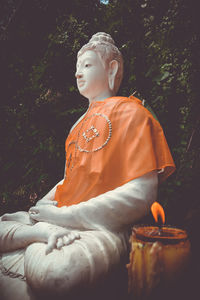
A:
x: 91, y: 75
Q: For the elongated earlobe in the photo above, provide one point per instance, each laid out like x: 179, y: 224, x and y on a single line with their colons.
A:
x: 113, y: 68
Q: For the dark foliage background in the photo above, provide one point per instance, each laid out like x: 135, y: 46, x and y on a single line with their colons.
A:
x: 40, y: 101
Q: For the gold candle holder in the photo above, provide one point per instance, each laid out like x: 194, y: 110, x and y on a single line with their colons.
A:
x: 158, y: 258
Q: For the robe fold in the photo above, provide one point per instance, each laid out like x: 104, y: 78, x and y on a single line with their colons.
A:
x: 117, y: 141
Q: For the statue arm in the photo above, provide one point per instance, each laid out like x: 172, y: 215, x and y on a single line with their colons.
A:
x: 49, y: 197
x: 23, y: 217
x: 113, y: 210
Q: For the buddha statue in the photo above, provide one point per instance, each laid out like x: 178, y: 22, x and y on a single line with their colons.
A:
x: 77, y: 235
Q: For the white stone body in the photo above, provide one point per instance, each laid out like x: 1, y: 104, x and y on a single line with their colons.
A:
x: 103, y: 222
x: 101, y: 248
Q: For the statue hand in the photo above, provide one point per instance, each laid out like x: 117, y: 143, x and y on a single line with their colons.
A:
x: 44, y: 213
x: 20, y: 216
x: 62, y: 237
x: 56, y: 237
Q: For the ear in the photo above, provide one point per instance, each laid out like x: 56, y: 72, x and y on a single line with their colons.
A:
x: 112, y: 71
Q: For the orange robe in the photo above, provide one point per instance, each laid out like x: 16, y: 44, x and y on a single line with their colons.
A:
x: 117, y: 141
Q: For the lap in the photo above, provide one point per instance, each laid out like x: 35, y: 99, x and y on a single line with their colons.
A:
x: 81, y: 264
x: 84, y: 263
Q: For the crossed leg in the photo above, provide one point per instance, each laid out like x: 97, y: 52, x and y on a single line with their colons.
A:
x: 79, y: 268
x: 82, y: 265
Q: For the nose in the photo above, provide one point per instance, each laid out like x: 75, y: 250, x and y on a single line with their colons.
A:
x: 78, y: 74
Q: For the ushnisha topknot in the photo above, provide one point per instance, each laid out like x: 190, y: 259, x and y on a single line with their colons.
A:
x: 102, y: 37
x: 104, y: 45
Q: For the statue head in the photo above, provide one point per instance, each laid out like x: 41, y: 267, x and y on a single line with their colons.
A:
x: 111, y: 59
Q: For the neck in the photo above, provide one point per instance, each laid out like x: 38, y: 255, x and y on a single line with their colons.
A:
x: 103, y: 96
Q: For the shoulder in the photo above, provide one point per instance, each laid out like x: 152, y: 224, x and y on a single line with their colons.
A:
x: 129, y: 107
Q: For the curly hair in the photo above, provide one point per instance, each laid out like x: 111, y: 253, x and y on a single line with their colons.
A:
x: 104, y: 45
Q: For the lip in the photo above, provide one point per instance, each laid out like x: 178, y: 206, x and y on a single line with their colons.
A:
x: 80, y: 83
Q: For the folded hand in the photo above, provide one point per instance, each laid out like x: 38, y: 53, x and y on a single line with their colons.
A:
x: 44, y: 213
x: 62, y: 237
x: 56, y: 237
x: 20, y: 216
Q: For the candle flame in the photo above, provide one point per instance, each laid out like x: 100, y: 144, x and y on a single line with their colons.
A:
x: 158, y: 211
